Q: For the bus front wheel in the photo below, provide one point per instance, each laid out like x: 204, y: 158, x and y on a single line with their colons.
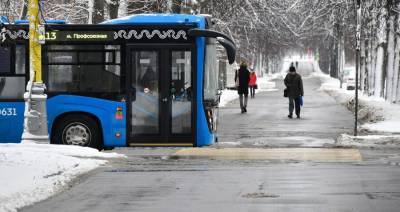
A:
x: 77, y: 129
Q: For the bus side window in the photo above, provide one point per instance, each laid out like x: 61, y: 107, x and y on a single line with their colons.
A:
x: 12, y: 79
x: 12, y: 87
x: 5, y: 60
x: 20, y: 59
x: 210, y: 72
x: 83, y: 68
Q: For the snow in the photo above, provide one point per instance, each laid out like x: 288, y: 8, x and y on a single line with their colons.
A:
x: 382, y: 115
x: 33, y: 172
x: 390, y: 126
x: 379, y: 118
x: 264, y: 85
x: 371, y: 141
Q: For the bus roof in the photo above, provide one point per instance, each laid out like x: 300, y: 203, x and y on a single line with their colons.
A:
x: 46, y: 22
x: 160, y: 19
x: 3, y: 19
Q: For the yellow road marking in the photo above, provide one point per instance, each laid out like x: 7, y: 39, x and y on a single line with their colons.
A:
x: 160, y: 144
x: 303, y: 154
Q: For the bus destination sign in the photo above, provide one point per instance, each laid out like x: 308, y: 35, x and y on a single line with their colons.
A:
x: 79, y: 36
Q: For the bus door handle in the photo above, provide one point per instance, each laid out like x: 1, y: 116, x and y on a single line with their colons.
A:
x: 132, y: 90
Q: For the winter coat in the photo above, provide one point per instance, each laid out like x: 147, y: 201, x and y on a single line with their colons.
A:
x: 148, y: 78
x: 294, y: 84
x: 253, y: 79
x: 243, y: 75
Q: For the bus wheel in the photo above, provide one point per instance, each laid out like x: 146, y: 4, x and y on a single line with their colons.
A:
x: 78, y: 130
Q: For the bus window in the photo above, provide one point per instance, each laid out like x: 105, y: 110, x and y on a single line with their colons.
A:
x: 12, y: 84
x: 210, y: 72
x: 83, y: 68
x: 91, y: 57
x: 20, y: 59
x: 181, y: 92
x: 145, y: 108
x: 62, y: 57
x: 5, y: 60
x: 12, y: 87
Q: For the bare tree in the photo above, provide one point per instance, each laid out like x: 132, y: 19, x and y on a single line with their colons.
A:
x: 266, y: 31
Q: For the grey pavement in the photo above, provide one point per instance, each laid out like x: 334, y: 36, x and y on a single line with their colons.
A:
x: 155, y: 180
x: 266, y: 124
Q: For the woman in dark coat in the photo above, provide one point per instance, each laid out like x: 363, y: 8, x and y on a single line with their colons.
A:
x: 242, y: 78
x: 294, y: 84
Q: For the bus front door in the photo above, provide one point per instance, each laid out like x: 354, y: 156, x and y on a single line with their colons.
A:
x: 160, y: 96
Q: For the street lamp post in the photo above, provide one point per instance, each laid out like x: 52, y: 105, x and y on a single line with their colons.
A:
x: 35, y: 115
x: 358, y: 48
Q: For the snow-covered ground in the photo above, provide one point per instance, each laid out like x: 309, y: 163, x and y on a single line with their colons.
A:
x: 263, y: 83
x: 33, y: 172
x: 380, y: 120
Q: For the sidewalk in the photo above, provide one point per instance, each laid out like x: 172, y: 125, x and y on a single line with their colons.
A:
x: 266, y: 123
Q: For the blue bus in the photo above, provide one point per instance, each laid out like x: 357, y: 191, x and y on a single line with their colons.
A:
x: 141, y: 80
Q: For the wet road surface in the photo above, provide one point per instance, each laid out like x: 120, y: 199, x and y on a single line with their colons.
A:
x: 147, y: 181
x: 165, y: 179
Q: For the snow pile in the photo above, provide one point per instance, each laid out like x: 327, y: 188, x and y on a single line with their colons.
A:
x: 263, y: 83
x: 34, y: 172
x: 377, y: 116
x: 371, y: 141
x: 227, y: 96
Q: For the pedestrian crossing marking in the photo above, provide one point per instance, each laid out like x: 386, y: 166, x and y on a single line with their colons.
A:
x: 302, y: 154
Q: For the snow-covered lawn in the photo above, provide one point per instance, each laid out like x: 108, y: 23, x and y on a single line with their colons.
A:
x: 380, y: 119
x: 263, y: 83
x: 33, y: 172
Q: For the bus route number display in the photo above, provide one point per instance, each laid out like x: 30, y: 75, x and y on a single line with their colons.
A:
x: 79, y: 36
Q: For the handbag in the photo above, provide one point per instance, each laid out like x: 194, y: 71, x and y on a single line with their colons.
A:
x: 236, y: 79
x: 285, y: 92
x: 256, y: 86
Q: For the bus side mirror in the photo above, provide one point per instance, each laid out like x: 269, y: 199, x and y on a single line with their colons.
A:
x: 230, y: 48
x: 223, y: 39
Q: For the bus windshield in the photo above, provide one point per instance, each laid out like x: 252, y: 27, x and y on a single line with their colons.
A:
x: 210, y: 71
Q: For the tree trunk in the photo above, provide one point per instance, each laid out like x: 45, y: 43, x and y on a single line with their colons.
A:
x: 123, y: 8
x: 363, y: 71
x: 378, y: 91
x: 372, y: 50
x: 390, y: 56
x: 334, y: 59
x: 396, y: 72
x: 98, y: 11
x: 341, y: 57
x: 113, y: 7
x: 176, y: 6
x: 380, y: 58
x: 396, y: 64
x: 24, y: 11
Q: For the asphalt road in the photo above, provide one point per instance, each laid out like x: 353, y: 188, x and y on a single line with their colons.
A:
x: 155, y: 179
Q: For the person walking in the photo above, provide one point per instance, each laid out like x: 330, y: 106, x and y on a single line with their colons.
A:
x: 242, y: 78
x: 294, y: 85
x: 253, y: 83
